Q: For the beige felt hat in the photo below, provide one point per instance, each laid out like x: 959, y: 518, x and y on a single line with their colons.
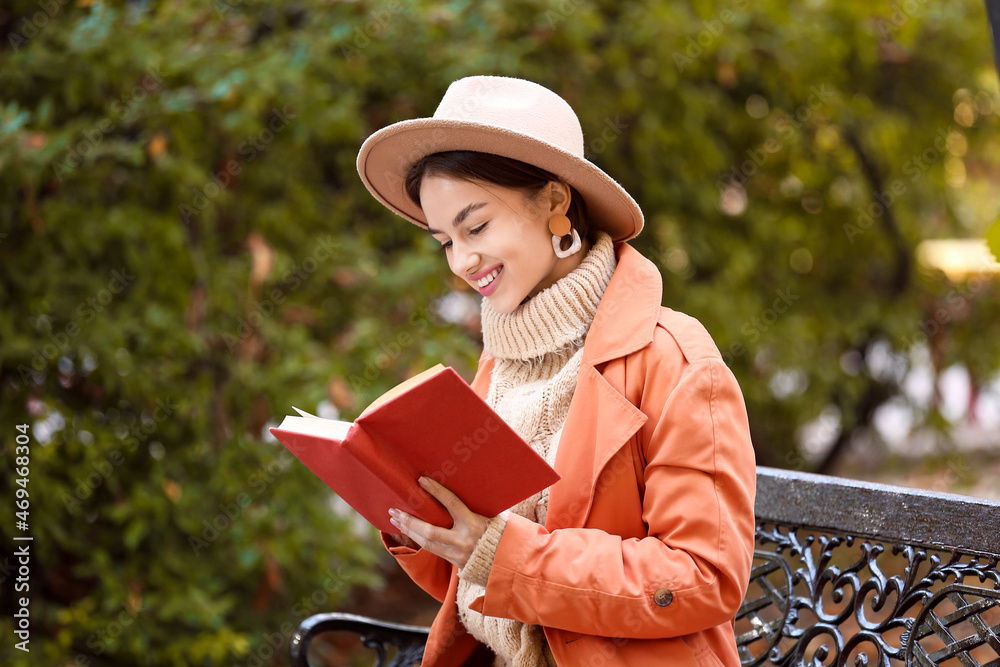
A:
x: 504, y: 116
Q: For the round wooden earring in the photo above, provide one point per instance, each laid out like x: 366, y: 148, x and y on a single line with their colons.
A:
x: 559, y: 225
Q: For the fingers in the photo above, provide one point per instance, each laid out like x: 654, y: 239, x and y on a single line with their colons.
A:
x: 454, y: 544
x: 443, y: 495
x: 413, y: 528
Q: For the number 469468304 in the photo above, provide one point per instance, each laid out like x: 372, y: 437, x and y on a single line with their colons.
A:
x: 22, y: 454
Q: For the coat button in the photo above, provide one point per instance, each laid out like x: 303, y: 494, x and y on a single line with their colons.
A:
x: 663, y: 597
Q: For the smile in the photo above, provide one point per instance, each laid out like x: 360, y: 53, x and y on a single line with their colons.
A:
x: 488, y: 278
x: 487, y: 284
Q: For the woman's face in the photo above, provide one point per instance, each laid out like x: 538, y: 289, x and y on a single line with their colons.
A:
x: 495, y: 239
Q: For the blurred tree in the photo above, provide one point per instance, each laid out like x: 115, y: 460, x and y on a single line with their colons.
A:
x: 187, y: 251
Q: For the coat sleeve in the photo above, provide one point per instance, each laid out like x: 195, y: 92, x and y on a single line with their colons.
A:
x: 432, y: 573
x: 692, y: 569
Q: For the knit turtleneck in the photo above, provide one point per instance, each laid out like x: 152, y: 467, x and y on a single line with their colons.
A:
x: 537, y: 349
x: 556, y: 317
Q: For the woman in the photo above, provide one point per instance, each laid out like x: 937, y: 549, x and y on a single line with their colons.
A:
x: 641, y: 553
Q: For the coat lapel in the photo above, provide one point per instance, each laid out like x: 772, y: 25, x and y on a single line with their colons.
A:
x: 599, y: 423
x: 600, y: 419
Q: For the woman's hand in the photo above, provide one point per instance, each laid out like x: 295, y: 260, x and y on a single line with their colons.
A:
x: 454, y: 544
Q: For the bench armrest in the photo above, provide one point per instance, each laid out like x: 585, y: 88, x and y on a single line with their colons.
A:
x: 375, y: 634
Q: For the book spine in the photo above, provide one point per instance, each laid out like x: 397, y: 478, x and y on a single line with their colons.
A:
x: 373, y: 453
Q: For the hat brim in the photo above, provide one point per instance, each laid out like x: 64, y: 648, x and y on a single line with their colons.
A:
x: 387, y: 155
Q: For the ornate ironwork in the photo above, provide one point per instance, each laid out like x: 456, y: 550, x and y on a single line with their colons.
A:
x: 826, y: 599
x: 380, y: 636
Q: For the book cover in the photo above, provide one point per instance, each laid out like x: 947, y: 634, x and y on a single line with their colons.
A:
x: 434, y: 424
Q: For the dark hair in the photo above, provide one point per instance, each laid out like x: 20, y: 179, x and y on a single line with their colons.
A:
x: 497, y: 170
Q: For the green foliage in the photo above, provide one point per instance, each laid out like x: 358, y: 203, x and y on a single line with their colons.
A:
x: 187, y: 251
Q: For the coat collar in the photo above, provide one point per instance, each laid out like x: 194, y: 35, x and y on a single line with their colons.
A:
x: 626, y: 317
x: 600, y: 420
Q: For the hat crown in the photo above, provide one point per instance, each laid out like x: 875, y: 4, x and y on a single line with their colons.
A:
x: 504, y: 116
x: 518, y: 105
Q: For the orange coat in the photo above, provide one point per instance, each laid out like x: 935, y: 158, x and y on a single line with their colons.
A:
x: 646, y: 550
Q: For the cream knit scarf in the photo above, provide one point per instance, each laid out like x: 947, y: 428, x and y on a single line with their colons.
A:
x: 537, y: 350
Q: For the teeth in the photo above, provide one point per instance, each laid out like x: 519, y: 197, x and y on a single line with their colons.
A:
x: 488, y: 278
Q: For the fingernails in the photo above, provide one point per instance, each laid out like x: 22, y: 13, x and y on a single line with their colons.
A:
x: 425, y: 482
x: 393, y: 522
x: 393, y: 512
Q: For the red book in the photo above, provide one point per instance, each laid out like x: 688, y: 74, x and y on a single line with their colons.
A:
x: 433, y: 424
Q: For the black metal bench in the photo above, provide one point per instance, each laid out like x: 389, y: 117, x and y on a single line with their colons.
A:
x: 844, y: 572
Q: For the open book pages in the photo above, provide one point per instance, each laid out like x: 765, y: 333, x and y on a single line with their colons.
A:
x: 392, y: 393
x: 331, y: 428
x: 312, y: 425
x: 403, y: 386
